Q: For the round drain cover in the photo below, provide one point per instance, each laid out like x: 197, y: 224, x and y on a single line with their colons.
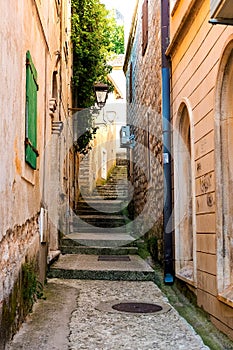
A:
x: 143, y: 308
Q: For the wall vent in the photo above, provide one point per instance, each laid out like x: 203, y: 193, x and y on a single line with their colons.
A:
x: 43, y: 224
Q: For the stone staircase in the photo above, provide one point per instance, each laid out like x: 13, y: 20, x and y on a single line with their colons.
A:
x: 100, y: 223
x: 116, y: 187
x: 101, y: 245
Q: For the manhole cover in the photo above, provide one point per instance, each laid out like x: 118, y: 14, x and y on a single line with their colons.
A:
x: 134, y: 307
x: 113, y: 258
x: 143, y: 308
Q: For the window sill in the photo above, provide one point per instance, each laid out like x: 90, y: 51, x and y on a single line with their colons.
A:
x: 186, y: 275
x: 28, y: 175
x: 226, y: 296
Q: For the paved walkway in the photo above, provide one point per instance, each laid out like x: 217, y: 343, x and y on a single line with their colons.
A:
x: 78, y: 314
x: 97, y: 271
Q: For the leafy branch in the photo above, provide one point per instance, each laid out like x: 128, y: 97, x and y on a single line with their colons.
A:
x: 95, y: 38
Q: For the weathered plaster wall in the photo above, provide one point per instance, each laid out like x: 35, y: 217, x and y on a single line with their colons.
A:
x: 34, y: 26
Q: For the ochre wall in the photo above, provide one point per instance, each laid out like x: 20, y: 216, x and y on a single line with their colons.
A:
x: 196, y: 51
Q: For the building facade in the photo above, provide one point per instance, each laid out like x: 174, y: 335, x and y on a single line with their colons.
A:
x: 201, y: 105
x: 35, y: 94
x: 143, y: 80
x: 96, y: 165
x: 200, y: 94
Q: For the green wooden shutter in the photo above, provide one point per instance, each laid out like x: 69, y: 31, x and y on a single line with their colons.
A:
x: 31, y: 152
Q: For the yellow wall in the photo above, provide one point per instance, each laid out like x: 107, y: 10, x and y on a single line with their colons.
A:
x: 196, y: 49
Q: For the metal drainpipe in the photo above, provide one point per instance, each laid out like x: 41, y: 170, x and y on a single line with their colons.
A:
x: 167, y: 211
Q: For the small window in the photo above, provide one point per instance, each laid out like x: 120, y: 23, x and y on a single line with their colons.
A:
x: 31, y: 152
x: 131, y: 83
x: 144, y: 26
x: 146, y: 133
x: 54, y: 85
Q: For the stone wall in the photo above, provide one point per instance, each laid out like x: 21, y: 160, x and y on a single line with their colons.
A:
x: 144, y: 116
x: 23, y: 269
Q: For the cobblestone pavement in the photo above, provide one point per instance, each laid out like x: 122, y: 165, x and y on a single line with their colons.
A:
x: 94, y: 325
x: 91, y: 328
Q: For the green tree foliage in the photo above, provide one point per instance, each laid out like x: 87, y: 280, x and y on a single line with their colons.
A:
x: 118, y: 39
x: 95, y: 37
x: 116, y: 35
x: 91, y: 45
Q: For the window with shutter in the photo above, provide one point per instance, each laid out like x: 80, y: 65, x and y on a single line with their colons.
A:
x: 31, y: 152
x: 144, y: 26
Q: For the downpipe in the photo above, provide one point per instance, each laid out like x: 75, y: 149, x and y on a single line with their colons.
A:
x: 166, y: 118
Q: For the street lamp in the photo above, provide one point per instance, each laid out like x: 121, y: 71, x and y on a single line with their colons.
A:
x: 101, y: 93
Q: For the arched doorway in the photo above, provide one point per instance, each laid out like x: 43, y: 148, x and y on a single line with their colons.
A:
x: 184, y: 196
x: 224, y: 170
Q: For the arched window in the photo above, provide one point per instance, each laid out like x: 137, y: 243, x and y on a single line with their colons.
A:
x: 183, y: 189
x: 224, y: 171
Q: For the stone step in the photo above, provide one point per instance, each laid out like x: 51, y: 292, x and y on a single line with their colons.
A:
x: 93, y: 239
x: 75, y: 239
x: 103, y: 243
x: 97, y: 250
x: 100, y: 224
x: 101, y: 204
x: 99, y: 220
x: 113, y: 196
x: 122, y: 162
x: 100, y: 216
x: 107, y: 191
x: 92, y: 211
x: 82, y: 266
x: 116, y: 179
x: 104, y: 197
x: 87, y: 228
x: 112, y: 187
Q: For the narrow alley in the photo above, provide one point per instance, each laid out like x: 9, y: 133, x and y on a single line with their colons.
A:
x: 116, y: 220
x: 101, y: 294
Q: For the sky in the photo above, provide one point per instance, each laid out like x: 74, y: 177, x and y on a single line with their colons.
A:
x: 126, y: 7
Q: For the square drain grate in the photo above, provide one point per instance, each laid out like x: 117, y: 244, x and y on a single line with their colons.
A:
x: 114, y: 258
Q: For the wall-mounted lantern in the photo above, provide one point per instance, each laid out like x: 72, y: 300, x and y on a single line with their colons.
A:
x: 101, y: 93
